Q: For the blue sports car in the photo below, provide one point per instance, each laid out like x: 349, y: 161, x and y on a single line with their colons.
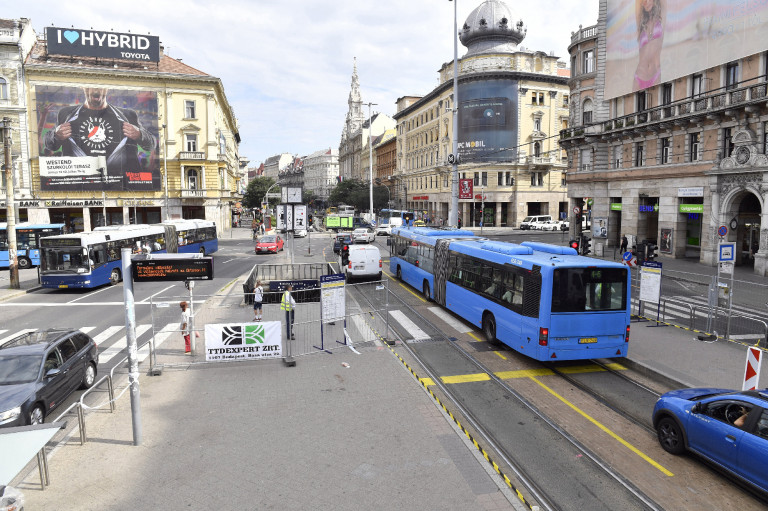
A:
x: 727, y: 427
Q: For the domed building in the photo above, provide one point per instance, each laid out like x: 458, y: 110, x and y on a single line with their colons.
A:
x: 512, y: 102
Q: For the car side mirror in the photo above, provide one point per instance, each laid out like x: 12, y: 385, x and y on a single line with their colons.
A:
x: 52, y: 373
x: 696, y: 408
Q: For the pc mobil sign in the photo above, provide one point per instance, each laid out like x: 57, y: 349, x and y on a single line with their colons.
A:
x: 243, y: 341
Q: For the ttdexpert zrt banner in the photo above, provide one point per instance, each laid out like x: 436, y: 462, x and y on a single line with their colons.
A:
x: 243, y: 341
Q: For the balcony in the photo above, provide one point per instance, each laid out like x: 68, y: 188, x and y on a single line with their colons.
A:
x: 191, y: 155
x: 584, y: 33
x: 710, y: 105
x: 187, y: 193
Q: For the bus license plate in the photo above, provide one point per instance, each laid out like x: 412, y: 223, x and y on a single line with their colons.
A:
x: 63, y: 286
x: 587, y: 340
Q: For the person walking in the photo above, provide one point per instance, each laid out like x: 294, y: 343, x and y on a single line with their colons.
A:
x: 258, y: 298
x: 185, y: 326
x: 288, y: 304
x: 624, y: 244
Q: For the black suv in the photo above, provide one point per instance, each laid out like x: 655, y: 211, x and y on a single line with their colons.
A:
x: 39, y: 370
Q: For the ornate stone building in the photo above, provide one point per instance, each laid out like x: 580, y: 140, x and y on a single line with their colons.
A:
x: 321, y: 172
x: 674, y: 158
x: 511, y: 102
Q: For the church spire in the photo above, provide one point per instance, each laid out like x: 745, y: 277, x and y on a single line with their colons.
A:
x: 355, y: 114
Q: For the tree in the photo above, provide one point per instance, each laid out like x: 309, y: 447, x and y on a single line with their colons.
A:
x: 255, y: 191
x: 358, y: 194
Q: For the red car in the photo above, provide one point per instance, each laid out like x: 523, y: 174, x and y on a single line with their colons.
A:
x: 269, y: 243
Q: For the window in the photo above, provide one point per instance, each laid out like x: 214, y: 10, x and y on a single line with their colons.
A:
x: 189, y: 109
x: 587, y: 111
x: 537, y: 179
x: 639, y: 155
x: 695, y: 140
x: 727, y: 143
x: 565, y: 100
x: 485, y: 178
x: 537, y: 149
x: 732, y: 75
x: 191, y: 142
x: 537, y: 124
x: 534, y: 98
x: 665, y: 150
x: 697, y: 85
x: 541, y: 98
x: 588, y: 61
x: 499, y: 178
x: 3, y: 88
x: 765, y: 138
x: 192, y: 179
x: 666, y: 98
x: 617, y: 156
x: 476, y: 180
x: 510, y: 181
x: 586, y: 159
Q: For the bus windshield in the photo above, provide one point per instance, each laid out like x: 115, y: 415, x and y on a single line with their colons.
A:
x: 589, y: 289
x: 65, y: 260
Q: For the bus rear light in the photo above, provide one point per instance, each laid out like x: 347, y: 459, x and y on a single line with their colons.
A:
x: 379, y: 263
x: 417, y: 263
x: 543, y: 336
x: 626, y: 337
x: 349, y: 265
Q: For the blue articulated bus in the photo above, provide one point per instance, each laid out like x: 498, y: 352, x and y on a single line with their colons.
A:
x: 27, y: 242
x: 92, y: 259
x: 542, y: 300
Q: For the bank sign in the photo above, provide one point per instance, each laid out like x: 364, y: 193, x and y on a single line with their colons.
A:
x: 109, y: 45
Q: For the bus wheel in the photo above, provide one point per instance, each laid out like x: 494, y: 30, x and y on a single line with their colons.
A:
x: 399, y: 274
x: 114, y: 277
x: 24, y: 263
x: 489, y: 327
x: 425, y: 290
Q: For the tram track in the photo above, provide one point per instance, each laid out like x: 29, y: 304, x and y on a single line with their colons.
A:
x: 520, y: 414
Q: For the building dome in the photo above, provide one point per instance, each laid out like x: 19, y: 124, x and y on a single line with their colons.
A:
x: 492, y: 28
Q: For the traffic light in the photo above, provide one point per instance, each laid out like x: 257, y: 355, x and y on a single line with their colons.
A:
x: 574, y: 244
x: 344, y: 254
x: 650, y: 251
x: 586, y: 245
x: 640, y: 253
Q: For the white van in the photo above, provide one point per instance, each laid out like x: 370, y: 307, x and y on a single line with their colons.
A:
x: 364, y: 261
x: 386, y: 224
x: 535, y: 222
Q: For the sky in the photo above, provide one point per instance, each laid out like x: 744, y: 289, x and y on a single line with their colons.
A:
x: 286, y: 65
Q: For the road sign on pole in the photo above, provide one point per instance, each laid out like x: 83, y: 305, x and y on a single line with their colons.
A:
x: 752, y: 370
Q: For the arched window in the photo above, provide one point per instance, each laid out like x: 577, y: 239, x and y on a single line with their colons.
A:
x: 537, y: 149
x: 3, y: 88
x: 586, y: 111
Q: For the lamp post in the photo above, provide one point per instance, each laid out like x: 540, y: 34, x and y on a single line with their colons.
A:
x: 453, y: 212
x: 370, y: 154
x: 10, y: 206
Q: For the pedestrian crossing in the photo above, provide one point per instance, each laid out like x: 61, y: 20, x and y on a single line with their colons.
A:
x: 112, y: 341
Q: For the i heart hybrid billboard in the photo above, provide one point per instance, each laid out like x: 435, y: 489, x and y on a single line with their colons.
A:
x: 110, y: 45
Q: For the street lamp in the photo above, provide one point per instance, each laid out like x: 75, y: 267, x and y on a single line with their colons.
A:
x: 453, y: 213
x: 370, y: 154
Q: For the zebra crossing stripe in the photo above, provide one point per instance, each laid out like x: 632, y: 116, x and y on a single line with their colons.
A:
x: 102, y: 337
x: 450, y: 320
x: 160, y: 338
x: 20, y: 332
x: 120, y: 345
x: 409, y: 326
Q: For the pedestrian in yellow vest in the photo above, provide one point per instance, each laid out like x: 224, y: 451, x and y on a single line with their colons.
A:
x: 288, y: 304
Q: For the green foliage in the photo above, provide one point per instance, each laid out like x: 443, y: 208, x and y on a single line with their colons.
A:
x: 357, y: 193
x: 256, y: 190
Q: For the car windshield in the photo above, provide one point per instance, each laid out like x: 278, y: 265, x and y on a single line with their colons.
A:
x: 15, y: 369
x: 267, y: 239
x: 65, y: 260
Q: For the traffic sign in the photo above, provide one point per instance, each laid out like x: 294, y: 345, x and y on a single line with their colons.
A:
x: 752, y: 370
x: 576, y: 210
x: 727, y: 252
x: 722, y: 230
x: 627, y: 255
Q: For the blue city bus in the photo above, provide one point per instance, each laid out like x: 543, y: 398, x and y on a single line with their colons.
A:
x: 92, y: 259
x: 542, y: 300
x: 27, y: 242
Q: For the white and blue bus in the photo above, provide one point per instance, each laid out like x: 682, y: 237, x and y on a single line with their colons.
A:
x: 92, y: 259
x: 27, y: 242
x: 542, y: 300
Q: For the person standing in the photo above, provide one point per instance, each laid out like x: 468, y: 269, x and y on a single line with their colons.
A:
x: 258, y: 298
x: 624, y: 244
x: 288, y: 304
x: 185, y: 327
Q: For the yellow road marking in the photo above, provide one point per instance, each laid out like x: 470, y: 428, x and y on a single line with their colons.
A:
x: 427, y: 381
x: 523, y: 373
x: 498, y: 353
x: 591, y: 368
x: 606, y: 430
x: 472, y: 335
x: 404, y: 286
x: 465, y: 378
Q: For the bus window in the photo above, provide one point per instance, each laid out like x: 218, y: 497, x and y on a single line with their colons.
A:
x: 581, y: 289
x: 98, y: 255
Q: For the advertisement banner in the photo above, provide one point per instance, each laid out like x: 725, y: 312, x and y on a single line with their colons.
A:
x: 96, y: 139
x: 243, y: 341
x: 465, y: 188
x: 599, y: 227
x: 110, y: 45
x: 657, y: 41
x: 666, y: 241
x: 488, y: 120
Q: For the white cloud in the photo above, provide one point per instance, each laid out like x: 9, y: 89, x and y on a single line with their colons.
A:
x: 286, y: 66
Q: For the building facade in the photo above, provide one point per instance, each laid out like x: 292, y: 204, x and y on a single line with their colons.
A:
x: 385, y: 166
x: 275, y: 165
x: 511, y: 102
x: 16, y: 40
x: 321, y: 173
x: 667, y: 143
x: 118, y: 141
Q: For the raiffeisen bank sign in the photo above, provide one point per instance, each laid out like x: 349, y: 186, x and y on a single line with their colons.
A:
x: 111, y: 45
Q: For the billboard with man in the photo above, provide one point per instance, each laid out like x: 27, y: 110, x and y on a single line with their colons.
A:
x: 94, y: 138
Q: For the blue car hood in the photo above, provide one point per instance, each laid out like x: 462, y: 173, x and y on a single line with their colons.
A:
x: 14, y: 395
x: 696, y: 392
